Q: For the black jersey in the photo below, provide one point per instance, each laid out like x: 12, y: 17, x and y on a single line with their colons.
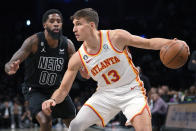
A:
x: 45, y: 68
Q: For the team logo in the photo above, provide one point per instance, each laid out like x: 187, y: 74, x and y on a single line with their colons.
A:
x: 61, y: 51
x: 85, y: 57
x: 43, y: 49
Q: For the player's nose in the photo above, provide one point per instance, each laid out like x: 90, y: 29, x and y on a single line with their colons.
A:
x: 74, y: 29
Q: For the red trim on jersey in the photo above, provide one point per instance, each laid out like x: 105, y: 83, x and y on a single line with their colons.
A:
x: 100, y: 45
x: 139, y: 113
x: 102, y: 120
x: 108, y: 37
x: 83, y: 63
x: 133, y: 68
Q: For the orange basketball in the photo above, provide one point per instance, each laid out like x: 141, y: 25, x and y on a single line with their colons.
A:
x: 174, y: 55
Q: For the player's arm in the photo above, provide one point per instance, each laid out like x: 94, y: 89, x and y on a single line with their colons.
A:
x: 66, y: 84
x: 71, y: 51
x: 28, y: 46
x: 123, y: 38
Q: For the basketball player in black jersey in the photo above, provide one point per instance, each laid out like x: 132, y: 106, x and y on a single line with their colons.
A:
x: 46, y: 56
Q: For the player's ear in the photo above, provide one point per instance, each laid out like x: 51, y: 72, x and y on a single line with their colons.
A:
x: 44, y: 25
x: 92, y: 24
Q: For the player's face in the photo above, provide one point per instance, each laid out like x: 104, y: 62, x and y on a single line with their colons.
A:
x: 81, y: 29
x: 54, y: 25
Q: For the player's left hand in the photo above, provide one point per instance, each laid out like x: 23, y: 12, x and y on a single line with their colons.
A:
x: 46, y: 106
x: 12, y: 68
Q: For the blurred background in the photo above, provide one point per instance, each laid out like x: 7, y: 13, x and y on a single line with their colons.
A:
x: 147, y: 18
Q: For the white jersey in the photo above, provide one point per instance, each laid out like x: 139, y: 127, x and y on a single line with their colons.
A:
x: 110, y: 67
x: 119, y: 85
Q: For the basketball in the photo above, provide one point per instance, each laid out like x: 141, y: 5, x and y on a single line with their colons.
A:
x: 174, y: 55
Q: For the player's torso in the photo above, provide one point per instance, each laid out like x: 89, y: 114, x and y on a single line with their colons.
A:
x: 46, y: 67
x: 109, y: 67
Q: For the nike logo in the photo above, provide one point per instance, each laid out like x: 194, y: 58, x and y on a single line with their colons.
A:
x: 88, y: 60
x: 132, y: 88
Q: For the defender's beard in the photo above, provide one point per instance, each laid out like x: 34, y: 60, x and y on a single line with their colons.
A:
x: 54, y: 35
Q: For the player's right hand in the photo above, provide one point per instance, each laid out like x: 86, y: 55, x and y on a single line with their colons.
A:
x: 185, y: 44
x: 46, y: 106
x: 12, y: 67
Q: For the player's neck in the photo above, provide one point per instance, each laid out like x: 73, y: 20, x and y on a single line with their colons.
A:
x: 93, y: 41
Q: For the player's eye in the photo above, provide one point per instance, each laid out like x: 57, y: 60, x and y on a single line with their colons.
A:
x: 52, y: 21
x: 78, y: 24
x: 58, y: 21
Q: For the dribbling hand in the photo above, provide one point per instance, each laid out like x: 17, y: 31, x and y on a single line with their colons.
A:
x: 46, y: 106
x: 185, y: 44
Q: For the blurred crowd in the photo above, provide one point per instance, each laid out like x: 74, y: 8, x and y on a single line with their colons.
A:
x: 14, y: 111
x: 168, y: 18
x: 14, y: 114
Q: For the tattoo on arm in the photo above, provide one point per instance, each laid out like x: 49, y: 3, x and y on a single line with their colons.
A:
x: 71, y: 48
x: 24, y: 50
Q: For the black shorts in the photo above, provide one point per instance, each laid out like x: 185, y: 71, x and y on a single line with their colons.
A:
x: 35, y: 97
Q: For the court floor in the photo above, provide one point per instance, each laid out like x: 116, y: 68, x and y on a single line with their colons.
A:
x: 65, y: 129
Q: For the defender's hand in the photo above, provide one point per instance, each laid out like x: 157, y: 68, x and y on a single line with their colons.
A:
x: 12, y: 68
x: 46, y: 106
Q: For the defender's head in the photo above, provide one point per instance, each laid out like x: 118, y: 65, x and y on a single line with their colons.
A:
x: 52, y: 22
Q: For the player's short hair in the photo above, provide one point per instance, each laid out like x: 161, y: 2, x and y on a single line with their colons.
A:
x: 89, y: 14
x: 51, y: 11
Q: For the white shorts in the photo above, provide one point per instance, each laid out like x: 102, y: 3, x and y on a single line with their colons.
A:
x: 108, y: 103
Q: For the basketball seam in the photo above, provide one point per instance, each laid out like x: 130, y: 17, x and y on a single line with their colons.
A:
x: 168, y: 49
x: 176, y: 54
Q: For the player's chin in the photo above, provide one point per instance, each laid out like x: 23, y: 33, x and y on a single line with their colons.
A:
x: 79, y: 39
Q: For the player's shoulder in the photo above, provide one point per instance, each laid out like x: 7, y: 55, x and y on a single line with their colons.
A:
x: 75, y: 59
x: 71, y: 46
x: 76, y: 56
x: 31, y: 43
x: 69, y: 41
x: 118, y: 32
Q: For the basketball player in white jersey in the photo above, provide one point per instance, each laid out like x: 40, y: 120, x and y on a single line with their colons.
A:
x: 105, y: 58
